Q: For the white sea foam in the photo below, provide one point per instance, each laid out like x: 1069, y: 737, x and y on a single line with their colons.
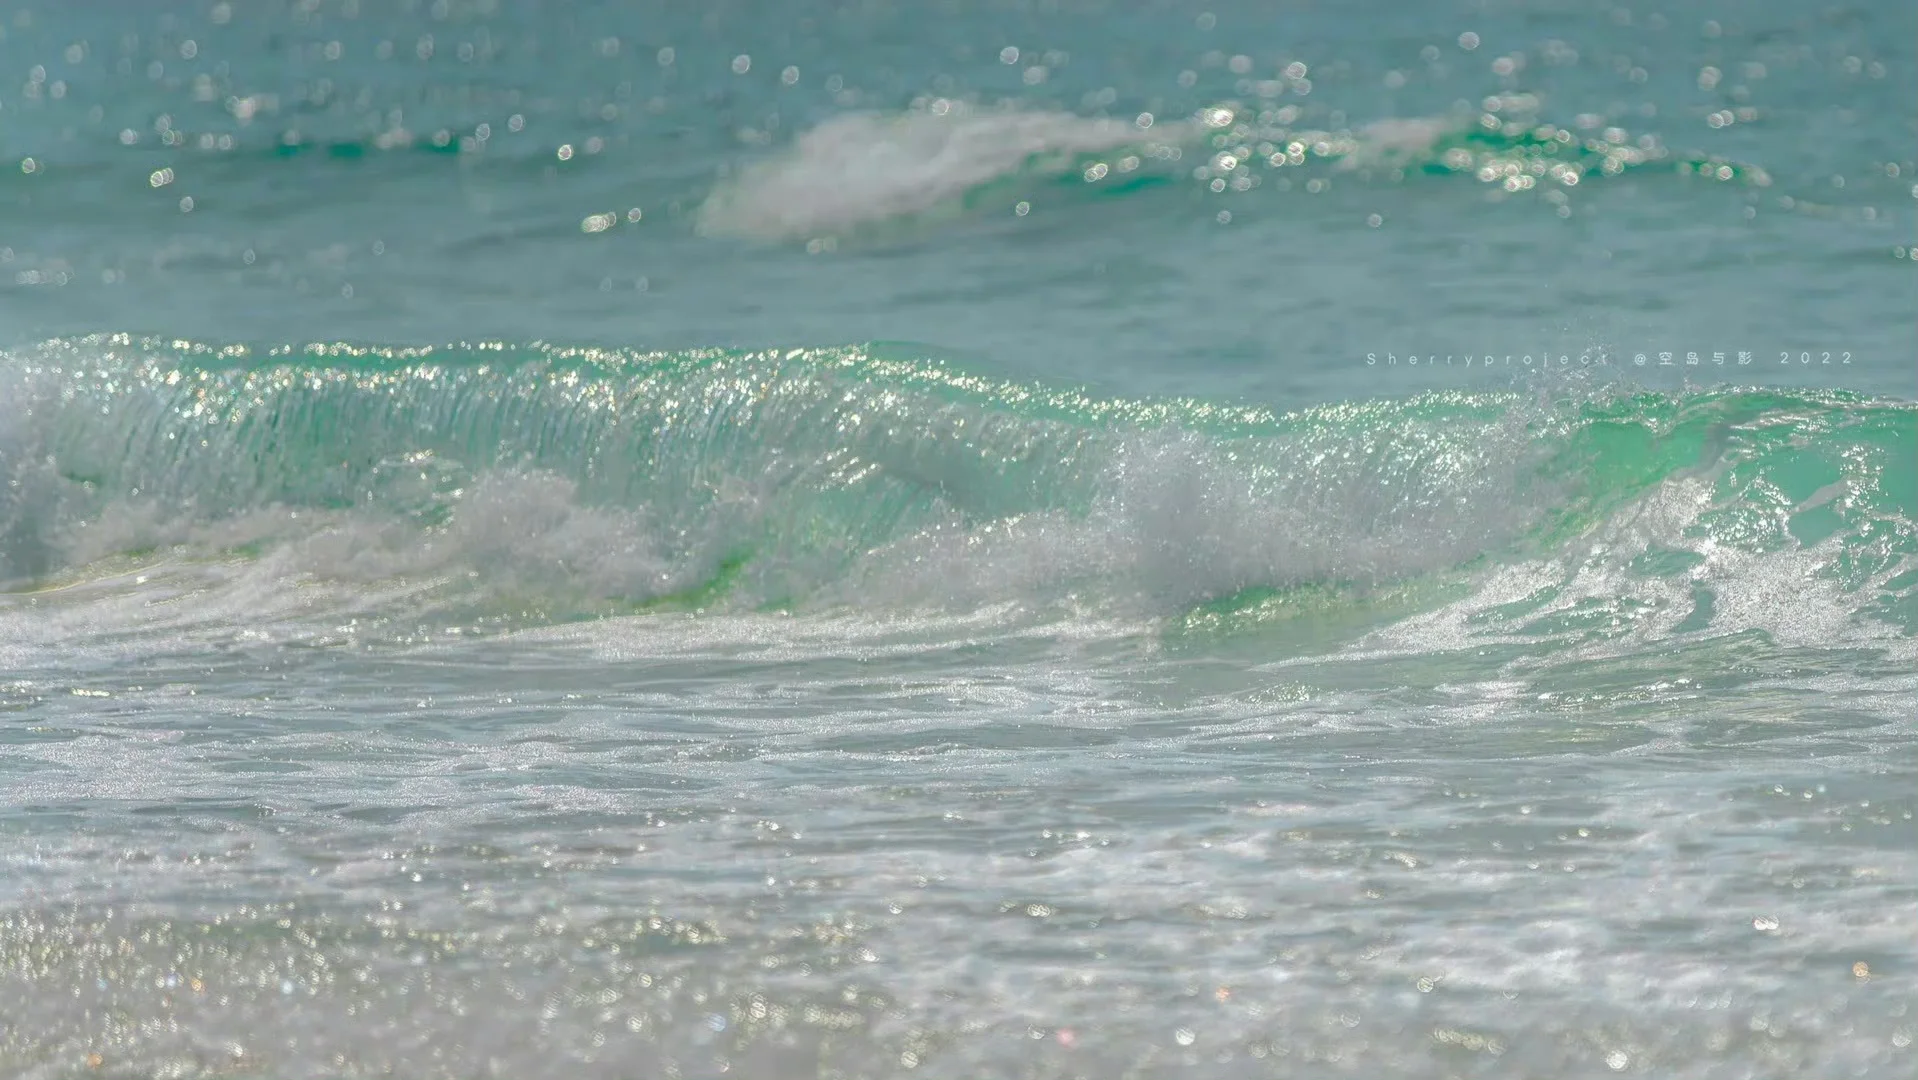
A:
x: 1391, y: 139
x: 863, y: 168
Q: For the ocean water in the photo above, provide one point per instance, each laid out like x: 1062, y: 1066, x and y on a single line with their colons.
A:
x: 960, y: 539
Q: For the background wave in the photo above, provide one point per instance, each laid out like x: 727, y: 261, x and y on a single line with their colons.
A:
x: 943, y: 158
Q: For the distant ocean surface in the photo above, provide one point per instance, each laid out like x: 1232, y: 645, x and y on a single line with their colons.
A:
x: 783, y: 540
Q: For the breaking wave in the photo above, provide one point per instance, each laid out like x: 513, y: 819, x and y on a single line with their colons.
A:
x: 540, y: 484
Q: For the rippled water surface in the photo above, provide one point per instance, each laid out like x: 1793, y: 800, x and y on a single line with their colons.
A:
x: 1039, y: 540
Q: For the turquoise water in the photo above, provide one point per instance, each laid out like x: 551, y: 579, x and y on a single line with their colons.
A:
x: 590, y: 540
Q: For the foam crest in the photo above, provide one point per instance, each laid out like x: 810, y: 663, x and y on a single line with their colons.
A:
x: 1180, y: 519
x: 863, y: 168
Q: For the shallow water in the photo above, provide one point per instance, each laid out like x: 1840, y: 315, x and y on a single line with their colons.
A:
x: 600, y: 540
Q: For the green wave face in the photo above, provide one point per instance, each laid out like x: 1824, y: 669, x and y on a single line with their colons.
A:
x: 547, y: 483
